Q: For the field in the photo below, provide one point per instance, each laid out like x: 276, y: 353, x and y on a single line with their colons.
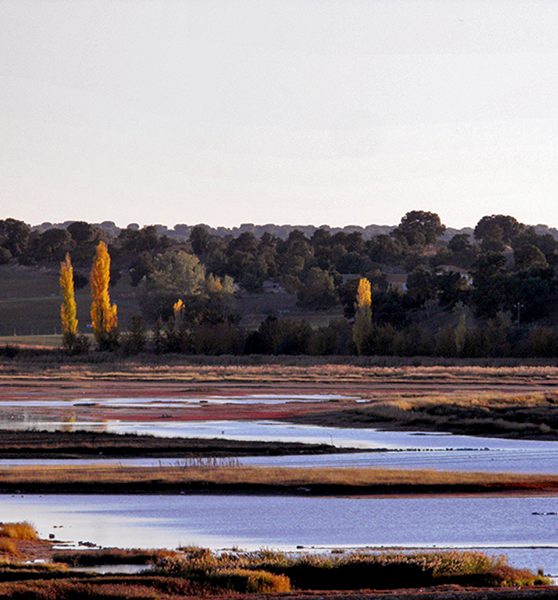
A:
x: 30, y: 306
x: 30, y: 303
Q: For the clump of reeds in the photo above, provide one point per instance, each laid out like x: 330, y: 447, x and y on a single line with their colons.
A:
x: 249, y: 581
x: 19, y: 531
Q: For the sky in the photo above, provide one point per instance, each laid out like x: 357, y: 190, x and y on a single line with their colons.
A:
x: 289, y: 111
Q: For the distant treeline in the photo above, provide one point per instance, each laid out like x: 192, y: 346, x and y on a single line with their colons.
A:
x: 477, y: 294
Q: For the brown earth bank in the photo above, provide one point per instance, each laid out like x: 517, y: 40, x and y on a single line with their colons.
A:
x: 489, y: 414
x: 62, y: 444
x: 264, y: 480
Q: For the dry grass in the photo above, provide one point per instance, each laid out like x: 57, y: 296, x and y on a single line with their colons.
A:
x: 261, y: 479
x: 364, y: 570
x: 19, y: 531
x: 168, y: 368
x: 531, y: 415
x: 8, y: 547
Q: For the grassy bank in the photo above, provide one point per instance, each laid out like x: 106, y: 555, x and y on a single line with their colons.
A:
x: 529, y: 416
x: 255, y: 480
x: 64, y: 444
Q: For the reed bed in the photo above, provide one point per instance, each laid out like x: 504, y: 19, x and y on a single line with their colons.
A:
x: 266, y: 480
x: 359, y: 570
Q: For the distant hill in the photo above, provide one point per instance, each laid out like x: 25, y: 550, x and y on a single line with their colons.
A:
x: 182, y: 232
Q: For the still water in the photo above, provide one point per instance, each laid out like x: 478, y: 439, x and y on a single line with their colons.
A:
x: 499, y: 525
x: 488, y: 461
x: 148, y: 402
x: 406, y: 450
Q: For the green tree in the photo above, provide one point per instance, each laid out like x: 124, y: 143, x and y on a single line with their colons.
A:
x: 176, y: 272
x: 528, y: 257
x: 421, y: 285
x: 495, y: 232
x: 419, y: 228
x: 317, y: 290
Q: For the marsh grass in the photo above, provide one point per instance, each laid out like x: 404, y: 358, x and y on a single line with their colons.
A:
x: 530, y: 415
x: 19, y: 531
x: 360, y: 570
x: 263, y: 479
x: 250, y: 581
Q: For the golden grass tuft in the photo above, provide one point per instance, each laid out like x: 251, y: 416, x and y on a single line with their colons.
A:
x: 19, y: 531
x: 253, y: 582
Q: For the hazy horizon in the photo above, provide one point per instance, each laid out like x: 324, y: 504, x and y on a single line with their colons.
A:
x: 308, y: 111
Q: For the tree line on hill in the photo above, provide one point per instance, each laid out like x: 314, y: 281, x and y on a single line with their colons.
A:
x: 494, y: 288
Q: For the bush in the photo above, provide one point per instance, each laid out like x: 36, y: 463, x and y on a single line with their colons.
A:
x: 134, y: 340
x: 217, y: 338
x: 75, y: 344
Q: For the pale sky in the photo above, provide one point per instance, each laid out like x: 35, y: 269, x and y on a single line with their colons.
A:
x: 287, y: 111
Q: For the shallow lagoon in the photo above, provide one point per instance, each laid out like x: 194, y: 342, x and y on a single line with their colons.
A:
x: 488, y: 461
x: 499, y: 525
x: 406, y: 450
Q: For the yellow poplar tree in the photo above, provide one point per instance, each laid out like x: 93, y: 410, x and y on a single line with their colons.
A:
x: 178, y: 307
x: 178, y: 312
x: 68, y: 309
x: 104, y: 315
x: 362, y: 327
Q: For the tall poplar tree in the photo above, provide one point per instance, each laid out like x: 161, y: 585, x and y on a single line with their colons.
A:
x: 104, y: 315
x: 362, y: 327
x: 68, y: 308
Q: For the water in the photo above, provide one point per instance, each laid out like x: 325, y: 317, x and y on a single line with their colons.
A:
x: 147, y: 402
x: 487, y: 461
x: 503, y: 525
x: 366, y: 438
x: 407, y: 450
